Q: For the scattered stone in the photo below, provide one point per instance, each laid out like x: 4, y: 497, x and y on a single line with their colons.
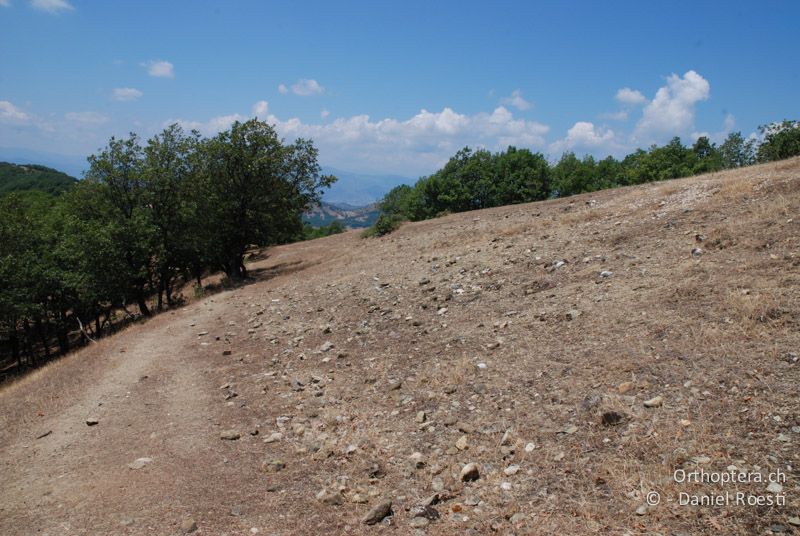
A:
x: 127, y: 521
x: 419, y: 522
x: 518, y: 517
x: 572, y: 314
x: 774, y: 487
x: 358, y: 498
x: 470, y: 473
x: 418, y: 460
x: 273, y: 466
x: 511, y: 470
x: 226, y: 352
x: 794, y: 521
x: 642, y: 510
x: 421, y: 417
x: 506, y: 439
x: 395, y: 384
x: 91, y: 421
x: 655, y: 402
x: 605, y: 274
x: 331, y: 498
x: 424, y: 281
x: 530, y: 447
x: 696, y: 252
x: 326, y: 346
x: 138, y: 463
x: 230, y: 435
x: 377, y: 513
x: 276, y: 436
x: 505, y: 486
x: 188, y: 526
x: 461, y: 444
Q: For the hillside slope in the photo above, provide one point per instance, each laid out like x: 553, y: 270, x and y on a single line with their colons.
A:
x: 577, y: 351
x: 17, y: 177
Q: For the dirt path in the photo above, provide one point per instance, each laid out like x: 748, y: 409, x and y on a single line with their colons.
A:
x: 152, y: 401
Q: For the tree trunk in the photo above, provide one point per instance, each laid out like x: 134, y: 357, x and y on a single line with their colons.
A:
x: 143, y: 306
x: 40, y: 329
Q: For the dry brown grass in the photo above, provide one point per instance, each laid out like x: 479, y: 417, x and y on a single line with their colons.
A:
x: 711, y: 334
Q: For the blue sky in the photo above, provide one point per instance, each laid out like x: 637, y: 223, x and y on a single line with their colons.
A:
x: 397, y: 87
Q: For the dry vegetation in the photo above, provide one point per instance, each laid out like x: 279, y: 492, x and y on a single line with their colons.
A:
x: 467, y: 319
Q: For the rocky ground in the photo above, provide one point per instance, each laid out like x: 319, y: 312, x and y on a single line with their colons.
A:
x: 532, y: 369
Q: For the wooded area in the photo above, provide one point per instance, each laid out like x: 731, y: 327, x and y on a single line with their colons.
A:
x: 146, y: 219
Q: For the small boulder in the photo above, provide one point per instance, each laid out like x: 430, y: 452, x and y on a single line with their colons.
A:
x: 377, y: 513
x: 470, y: 473
x: 230, y: 435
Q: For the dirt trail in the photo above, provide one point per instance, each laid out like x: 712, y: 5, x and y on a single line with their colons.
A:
x: 151, y: 401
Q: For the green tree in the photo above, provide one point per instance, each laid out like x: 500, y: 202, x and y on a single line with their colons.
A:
x: 706, y: 156
x: 112, y: 200
x: 781, y: 140
x: 736, y: 152
x: 256, y: 190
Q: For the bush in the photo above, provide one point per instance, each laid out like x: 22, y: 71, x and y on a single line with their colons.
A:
x: 385, y: 225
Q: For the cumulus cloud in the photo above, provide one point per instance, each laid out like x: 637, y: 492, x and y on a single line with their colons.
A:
x: 11, y: 114
x: 627, y: 95
x: 324, y: 113
x: 5, y: 3
x: 125, y: 94
x: 52, y: 6
x: 416, y: 145
x: 671, y: 112
x: 516, y: 100
x: 211, y: 127
x: 305, y: 87
x: 87, y: 118
x: 586, y: 137
x: 260, y: 108
x: 160, y: 69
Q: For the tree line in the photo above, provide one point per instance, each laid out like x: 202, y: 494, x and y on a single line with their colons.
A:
x: 475, y: 179
x: 147, y: 218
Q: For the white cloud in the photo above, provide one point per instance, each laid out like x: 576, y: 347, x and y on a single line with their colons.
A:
x: 516, y: 100
x: 5, y: 3
x: 160, y: 69
x: 671, y: 112
x: 87, y: 118
x: 324, y: 113
x: 52, y: 6
x: 416, y: 145
x: 627, y: 95
x: 11, y: 114
x: 586, y: 137
x: 125, y: 94
x: 211, y: 127
x: 304, y: 88
x: 718, y: 137
x: 282, y: 89
x: 260, y: 108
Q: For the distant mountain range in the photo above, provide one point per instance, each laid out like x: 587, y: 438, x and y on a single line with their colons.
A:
x: 360, y: 189
x: 350, y: 216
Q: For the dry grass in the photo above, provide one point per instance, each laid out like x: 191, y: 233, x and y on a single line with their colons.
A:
x: 570, y: 357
